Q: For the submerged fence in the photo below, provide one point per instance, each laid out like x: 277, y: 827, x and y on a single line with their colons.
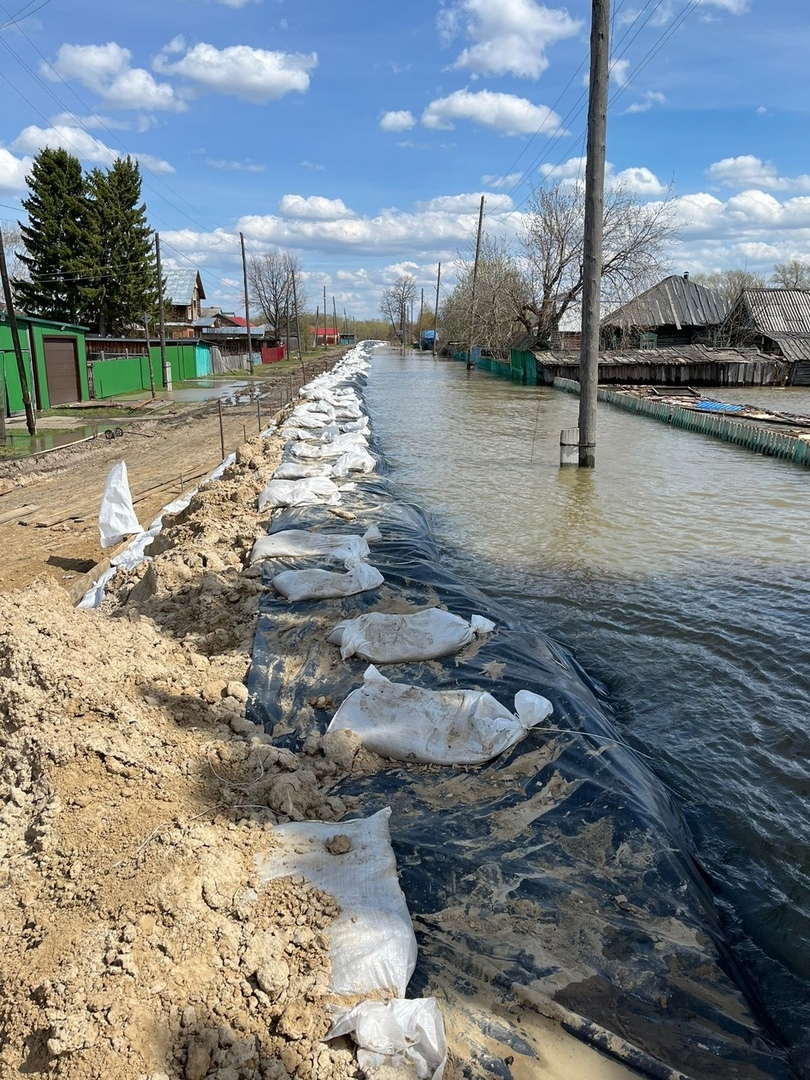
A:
x: 760, y: 440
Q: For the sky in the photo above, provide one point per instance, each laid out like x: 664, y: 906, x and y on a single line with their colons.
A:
x: 361, y: 135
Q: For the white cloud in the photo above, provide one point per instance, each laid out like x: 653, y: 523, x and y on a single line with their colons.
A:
x: 237, y: 3
x: 502, y: 181
x: 81, y: 143
x: 13, y: 171
x: 314, y: 208
x: 500, y: 112
x: 257, y: 75
x: 105, y: 69
x: 508, y: 37
x: 619, y: 72
x: 750, y: 171
x: 237, y: 166
x: 461, y: 204
x: 398, y: 120
x: 666, y: 10
x: 650, y: 98
x: 637, y: 180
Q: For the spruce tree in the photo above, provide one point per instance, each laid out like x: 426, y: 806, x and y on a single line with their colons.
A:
x: 55, y: 238
x: 125, y: 288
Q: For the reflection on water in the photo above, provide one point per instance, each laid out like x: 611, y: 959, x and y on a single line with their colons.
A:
x: 677, y: 570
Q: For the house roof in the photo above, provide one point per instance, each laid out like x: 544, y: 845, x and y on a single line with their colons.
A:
x: 675, y: 301
x: 180, y: 284
x: 777, y: 311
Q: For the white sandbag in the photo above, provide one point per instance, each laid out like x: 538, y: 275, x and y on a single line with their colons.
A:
x: 395, y: 1033
x: 116, y: 517
x: 326, y: 584
x: 306, y: 492
x: 355, y: 425
x: 352, y: 440
x: 359, y: 460
x: 402, y: 639
x: 445, y: 727
x: 372, y: 945
x: 298, y: 470
x: 347, y: 548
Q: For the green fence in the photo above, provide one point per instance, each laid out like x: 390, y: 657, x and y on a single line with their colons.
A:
x: 760, y: 440
x: 129, y: 374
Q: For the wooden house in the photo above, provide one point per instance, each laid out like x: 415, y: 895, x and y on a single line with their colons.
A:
x: 675, y: 312
x: 183, y: 293
x: 777, y: 322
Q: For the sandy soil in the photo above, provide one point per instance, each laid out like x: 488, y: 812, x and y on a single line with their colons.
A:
x: 138, y: 943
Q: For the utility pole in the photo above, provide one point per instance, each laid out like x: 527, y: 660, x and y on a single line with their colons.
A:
x: 474, y: 280
x: 247, y: 305
x: 30, y: 418
x: 436, y: 309
x: 298, y: 321
x: 334, y: 314
x: 324, y: 316
x: 149, y: 356
x: 594, y: 217
x: 165, y: 365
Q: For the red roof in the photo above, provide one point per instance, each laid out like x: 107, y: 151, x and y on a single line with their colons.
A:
x: 238, y: 320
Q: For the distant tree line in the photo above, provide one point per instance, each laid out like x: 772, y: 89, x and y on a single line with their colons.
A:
x: 86, y: 252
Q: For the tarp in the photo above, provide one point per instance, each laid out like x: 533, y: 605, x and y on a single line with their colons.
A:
x: 556, y: 880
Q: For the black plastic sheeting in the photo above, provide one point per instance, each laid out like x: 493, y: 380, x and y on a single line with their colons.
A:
x: 557, y: 879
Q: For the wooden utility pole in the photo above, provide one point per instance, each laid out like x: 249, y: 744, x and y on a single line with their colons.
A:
x: 247, y: 305
x: 165, y: 365
x: 149, y: 356
x: 334, y: 314
x: 30, y: 418
x: 594, y: 217
x: 324, y: 316
x: 298, y: 321
x: 436, y: 308
x: 317, y: 317
x: 474, y: 280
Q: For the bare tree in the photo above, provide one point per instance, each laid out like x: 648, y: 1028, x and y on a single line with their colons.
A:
x: 13, y: 245
x: 501, y: 299
x: 396, y: 301
x: 635, y: 239
x: 730, y: 283
x: 270, y: 282
x: 793, y: 274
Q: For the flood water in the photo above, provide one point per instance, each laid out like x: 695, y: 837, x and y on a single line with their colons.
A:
x: 677, y: 572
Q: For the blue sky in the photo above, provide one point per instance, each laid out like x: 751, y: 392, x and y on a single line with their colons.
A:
x: 361, y: 135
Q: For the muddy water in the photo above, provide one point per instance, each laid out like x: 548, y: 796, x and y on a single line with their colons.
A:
x: 677, y: 571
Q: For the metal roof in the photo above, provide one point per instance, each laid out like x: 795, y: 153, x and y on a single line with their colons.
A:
x: 180, y: 284
x: 675, y: 301
x: 670, y: 354
x: 778, y: 311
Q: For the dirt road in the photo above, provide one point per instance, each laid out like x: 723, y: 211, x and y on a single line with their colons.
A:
x: 49, y: 506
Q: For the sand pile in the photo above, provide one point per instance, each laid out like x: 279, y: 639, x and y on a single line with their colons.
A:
x: 138, y: 942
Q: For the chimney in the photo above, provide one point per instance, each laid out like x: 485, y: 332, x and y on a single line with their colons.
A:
x: 686, y: 276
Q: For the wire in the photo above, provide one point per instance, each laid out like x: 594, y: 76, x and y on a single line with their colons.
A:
x: 13, y: 20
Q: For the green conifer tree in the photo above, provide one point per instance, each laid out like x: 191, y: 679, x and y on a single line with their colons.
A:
x: 55, y: 238
x: 125, y: 289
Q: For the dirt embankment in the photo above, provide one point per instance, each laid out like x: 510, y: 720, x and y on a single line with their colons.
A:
x: 138, y: 943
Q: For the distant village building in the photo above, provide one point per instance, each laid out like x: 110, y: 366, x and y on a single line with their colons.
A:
x: 183, y: 293
x: 775, y: 321
x: 676, y: 311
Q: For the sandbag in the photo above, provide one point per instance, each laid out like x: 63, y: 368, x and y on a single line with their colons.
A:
x: 298, y: 470
x: 313, y: 451
x: 116, y: 517
x: 397, y: 1033
x: 372, y: 945
x: 359, y: 460
x: 326, y: 584
x: 347, y: 548
x: 402, y: 639
x: 306, y: 492
x: 444, y: 727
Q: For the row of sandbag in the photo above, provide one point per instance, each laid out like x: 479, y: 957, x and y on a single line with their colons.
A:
x: 372, y: 944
